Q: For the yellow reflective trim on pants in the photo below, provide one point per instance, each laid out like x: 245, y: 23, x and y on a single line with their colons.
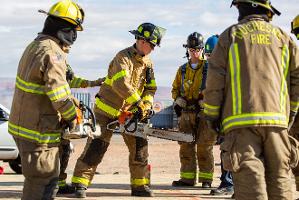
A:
x: 133, y: 98
x: 59, y: 93
x: 42, y: 138
x: 80, y: 180
x: 106, y: 108
x: 234, y: 64
x: 285, y: 58
x: 255, y: 118
x: 294, y: 106
x: 118, y: 75
x: 29, y: 87
x: 188, y: 175
x: 69, y: 113
x: 151, y: 84
x: 148, y: 98
x: 139, y: 181
x: 205, y: 175
x: 61, y: 183
x: 211, y: 110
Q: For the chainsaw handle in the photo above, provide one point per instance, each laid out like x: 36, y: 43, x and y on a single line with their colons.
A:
x: 93, y: 118
x: 133, y: 120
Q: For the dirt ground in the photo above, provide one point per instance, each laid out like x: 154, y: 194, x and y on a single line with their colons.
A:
x: 112, y: 178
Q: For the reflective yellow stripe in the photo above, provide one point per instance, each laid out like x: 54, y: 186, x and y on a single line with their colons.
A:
x: 80, y: 180
x: 76, y: 82
x: 29, y: 87
x: 59, y: 93
x: 234, y: 64
x: 148, y: 98
x: 33, y: 135
x: 205, y: 175
x: 152, y: 83
x: 133, y: 98
x: 265, y: 118
x: 69, y: 113
x: 294, y: 106
x: 106, y: 108
x: 188, y: 175
x: 211, y: 110
x: 118, y: 75
x: 61, y: 183
x: 284, y: 88
x: 139, y: 181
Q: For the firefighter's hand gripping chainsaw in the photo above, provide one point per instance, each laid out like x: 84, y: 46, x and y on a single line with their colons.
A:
x: 129, y: 123
x: 85, y: 126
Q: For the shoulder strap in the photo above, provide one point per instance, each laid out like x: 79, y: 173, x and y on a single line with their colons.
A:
x: 183, y: 72
x: 204, y: 76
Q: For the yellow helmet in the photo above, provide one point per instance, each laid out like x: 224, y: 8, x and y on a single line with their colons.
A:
x: 69, y: 11
x: 295, y: 23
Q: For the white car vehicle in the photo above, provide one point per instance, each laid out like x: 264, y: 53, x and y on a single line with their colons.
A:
x: 8, y: 149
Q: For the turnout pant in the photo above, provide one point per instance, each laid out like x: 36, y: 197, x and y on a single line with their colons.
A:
x: 64, y: 155
x: 260, y: 161
x: 94, y: 152
x: 199, y: 152
x: 40, y: 167
x: 295, y: 133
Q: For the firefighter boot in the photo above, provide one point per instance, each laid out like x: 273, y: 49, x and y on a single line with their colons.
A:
x: 142, y: 191
x: 181, y: 183
x: 80, y: 192
x: 66, y: 189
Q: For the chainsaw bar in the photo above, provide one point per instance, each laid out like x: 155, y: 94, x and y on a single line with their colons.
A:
x: 144, y: 130
x: 168, y: 134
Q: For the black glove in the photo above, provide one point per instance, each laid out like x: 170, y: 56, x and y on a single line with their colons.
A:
x: 178, y: 110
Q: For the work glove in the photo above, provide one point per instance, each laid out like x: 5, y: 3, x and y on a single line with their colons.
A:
x: 291, y: 120
x: 179, y: 104
x: 144, y: 108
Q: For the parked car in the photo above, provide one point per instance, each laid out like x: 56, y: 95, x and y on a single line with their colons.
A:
x: 8, y: 149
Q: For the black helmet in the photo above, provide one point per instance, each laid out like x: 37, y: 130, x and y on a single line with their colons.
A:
x: 195, y: 41
x: 149, y: 32
x: 263, y: 3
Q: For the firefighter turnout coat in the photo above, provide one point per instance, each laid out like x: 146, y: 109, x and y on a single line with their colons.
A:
x: 42, y: 94
x: 130, y: 79
x: 244, y: 92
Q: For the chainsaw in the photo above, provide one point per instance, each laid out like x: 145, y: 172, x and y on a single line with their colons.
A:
x: 129, y: 123
x: 86, y: 123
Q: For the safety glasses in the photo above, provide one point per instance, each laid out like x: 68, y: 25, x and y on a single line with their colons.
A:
x: 195, y: 50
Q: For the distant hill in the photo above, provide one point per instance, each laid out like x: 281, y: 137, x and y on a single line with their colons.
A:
x: 163, y: 94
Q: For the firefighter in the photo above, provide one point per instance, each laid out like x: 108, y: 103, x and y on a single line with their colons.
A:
x: 295, y: 26
x: 186, y: 91
x: 65, y: 147
x: 253, y: 91
x: 226, y: 186
x: 294, y: 128
x: 130, y: 84
x: 42, y: 105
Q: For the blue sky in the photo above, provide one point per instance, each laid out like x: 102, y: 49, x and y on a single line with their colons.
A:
x: 106, y: 29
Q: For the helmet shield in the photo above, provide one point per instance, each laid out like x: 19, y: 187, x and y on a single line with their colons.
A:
x: 149, y: 32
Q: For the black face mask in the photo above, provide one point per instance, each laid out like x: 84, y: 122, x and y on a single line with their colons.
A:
x: 67, y: 36
x: 64, y: 31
